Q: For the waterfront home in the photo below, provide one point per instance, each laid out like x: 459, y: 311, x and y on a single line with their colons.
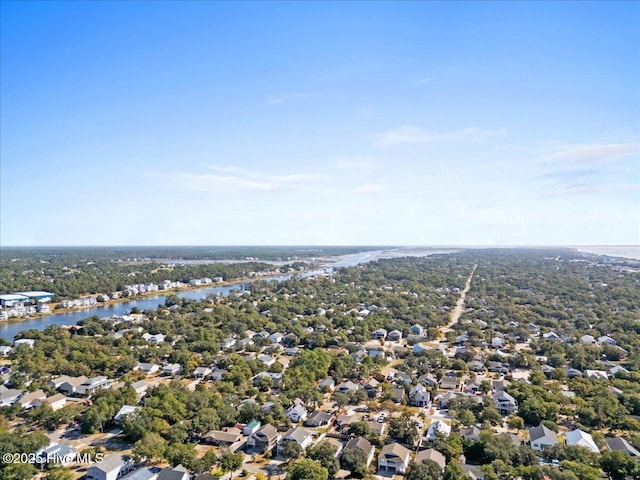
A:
x: 29, y: 342
x: 394, y: 457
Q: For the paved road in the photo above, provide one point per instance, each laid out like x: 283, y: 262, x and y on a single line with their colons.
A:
x: 459, y: 305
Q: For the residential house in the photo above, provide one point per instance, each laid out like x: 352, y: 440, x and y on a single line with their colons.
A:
x: 172, y: 369
x: 56, y: 402
x: 362, y: 444
x: 228, y: 342
x: 301, y: 436
x: 419, y: 396
x: 141, y: 388
x: 297, y: 413
x: 263, y: 439
x: 450, y: 383
x: 9, y: 396
x: 394, y: 336
x: 5, y: 350
x: 471, y: 434
x: 588, y: 340
x: 337, y: 444
x: 605, y: 339
x: 70, y: 384
x: 619, y: 444
x: 28, y: 400
x: 251, y: 428
x: 417, y: 330
x: 541, y: 437
x: 379, y: 334
x: 111, y: 467
x: 348, y: 386
x: 92, y: 385
x: 397, y: 394
x: 438, y: 427
x: 266, y: 360
x: 505, y: 403
x: 24, y: 341
x: 157, y: 338
x: 218, y: 374
x: 318, y: 419
x: 551, y: 336
x: 201, y: 372
x: 148, y: 368
x: 226, y: 437
x: 394, y: 457
x: 124, y: 411
x: 372, y: 387
x: 57, y: 453
x: 582, y: 439
x: 328, y: 384
x: 433, y: 455
x: 177, y: 473
x: 141, y: 473
x: 597, y: 374
x: 276, y: 337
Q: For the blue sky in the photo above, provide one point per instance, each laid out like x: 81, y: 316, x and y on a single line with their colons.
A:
x: 403, y: 123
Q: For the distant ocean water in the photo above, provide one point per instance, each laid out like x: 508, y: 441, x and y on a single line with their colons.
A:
x: 623, y: 251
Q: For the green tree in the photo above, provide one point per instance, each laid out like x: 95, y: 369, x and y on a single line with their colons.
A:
x: 59, y: 473
x: 230, y: 462
x: 354, y: 460
x: 291, y: 450
x: 359, y: 429
x: 325, y: 453
x: 151, y: 447
x: 307, y: 469
x: 466, y: 417
x: 427, y: 470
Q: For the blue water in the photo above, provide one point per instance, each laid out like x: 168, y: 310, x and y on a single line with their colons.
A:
x: 10, y: 330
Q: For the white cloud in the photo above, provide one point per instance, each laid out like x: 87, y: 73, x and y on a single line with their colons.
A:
x: 369, y: 188
x: 412, y: 135
x: 355, y: 163
x: 584, y: 153
x: 238, y: 178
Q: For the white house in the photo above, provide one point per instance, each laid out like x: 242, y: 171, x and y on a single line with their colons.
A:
x: 301, y: 436
x: 111, y: 467
x: 420, y: 396
x: 394, y: 457
x: 297, y: 413
x: 438, y: 427
x: 582, y: 439
x: 541, y: 437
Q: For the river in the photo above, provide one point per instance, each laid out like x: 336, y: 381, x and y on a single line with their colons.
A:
x: 9, y: 330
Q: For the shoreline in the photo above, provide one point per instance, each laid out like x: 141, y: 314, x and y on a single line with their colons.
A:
x: 143, y: 296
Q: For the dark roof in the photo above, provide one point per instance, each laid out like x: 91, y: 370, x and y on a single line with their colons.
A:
x: 621, y: 445
x: 361, y: 443
x: 541, y: 431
